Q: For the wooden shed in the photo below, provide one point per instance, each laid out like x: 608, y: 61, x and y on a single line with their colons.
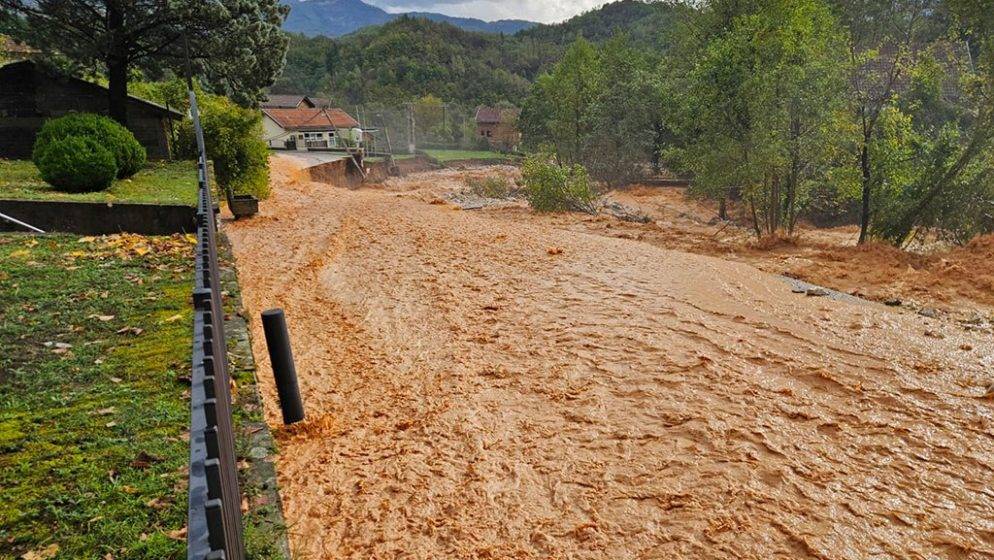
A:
x: 31, y: 93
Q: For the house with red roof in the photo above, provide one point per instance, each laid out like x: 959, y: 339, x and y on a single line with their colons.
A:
x: 307, y: 126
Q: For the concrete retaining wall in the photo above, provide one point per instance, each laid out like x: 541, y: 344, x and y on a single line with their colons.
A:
x: 343, y: 173
x: 99, y: 218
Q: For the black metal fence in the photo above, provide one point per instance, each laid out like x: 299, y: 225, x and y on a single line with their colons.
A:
x: 214, y: 529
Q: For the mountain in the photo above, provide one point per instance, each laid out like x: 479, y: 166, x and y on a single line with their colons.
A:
x: 647, y: 23
x: 505, y: 26
x: 413, y: 57
x: 334, y: 18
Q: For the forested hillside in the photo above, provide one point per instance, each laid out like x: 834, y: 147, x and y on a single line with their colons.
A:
x: 407, y: 59
x: 410, y: 57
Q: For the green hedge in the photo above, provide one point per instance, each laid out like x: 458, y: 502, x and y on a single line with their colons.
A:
x: 129, y: 155
x: 233, y: 136
x: 77, y: 164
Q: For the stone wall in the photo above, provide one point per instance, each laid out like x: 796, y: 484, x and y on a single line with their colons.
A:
x: 97, y: 218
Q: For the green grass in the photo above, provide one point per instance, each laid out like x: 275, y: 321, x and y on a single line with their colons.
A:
x: 94, y: 341
x: 159, y: 183
x: 396, y: 157
x: 456, y: 155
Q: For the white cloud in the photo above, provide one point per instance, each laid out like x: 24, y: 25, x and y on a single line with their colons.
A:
x: 545, y: 11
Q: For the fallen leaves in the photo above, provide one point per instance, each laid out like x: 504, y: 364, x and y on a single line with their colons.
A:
x: 102, y: 318
x: 42, y: 553
x: 129, y: 246
x: 144, y: 460
x: 59, y: 347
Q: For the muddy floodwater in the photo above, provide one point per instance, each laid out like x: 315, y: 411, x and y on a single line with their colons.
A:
x: 483, y: 387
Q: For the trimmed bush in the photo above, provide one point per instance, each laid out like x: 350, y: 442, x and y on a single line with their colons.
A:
x: 551, y: 187
x: 77, y: 164
x: 129, y: 155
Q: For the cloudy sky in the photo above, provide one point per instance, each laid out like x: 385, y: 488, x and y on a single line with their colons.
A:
x: 545, y: 11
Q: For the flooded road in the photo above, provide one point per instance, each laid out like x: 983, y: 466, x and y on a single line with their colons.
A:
x: 484, y: 387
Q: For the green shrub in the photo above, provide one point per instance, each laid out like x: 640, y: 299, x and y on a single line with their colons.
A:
x: 77, y: 164
x: 233, y: 136
x: 490, y: 187
x: 551, y: 187
x: 129, y: 155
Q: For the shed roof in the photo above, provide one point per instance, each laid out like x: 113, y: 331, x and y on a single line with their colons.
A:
x: 13, y: 67
x: 319, y: 101
x: 311, y: 119
x: 496, y: 115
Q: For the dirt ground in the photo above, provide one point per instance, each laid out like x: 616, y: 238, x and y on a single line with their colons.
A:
x: 495, y: 384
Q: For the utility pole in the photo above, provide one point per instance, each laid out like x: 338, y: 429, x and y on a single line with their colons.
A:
x: 412, y: 146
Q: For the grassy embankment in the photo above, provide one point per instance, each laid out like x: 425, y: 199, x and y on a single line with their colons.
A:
x: 159, y: 183
x: 460, y: 155
x: 94, y: 350
x: 95, y: 340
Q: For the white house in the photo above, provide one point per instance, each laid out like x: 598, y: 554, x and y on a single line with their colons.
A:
x: 304, y: 127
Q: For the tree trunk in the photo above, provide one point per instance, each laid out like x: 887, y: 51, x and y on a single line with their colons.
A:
x: 723, y: 208
x: 117, y: 66
x: 755, y: 218
x: 864, y: 217
x: 793, y: 178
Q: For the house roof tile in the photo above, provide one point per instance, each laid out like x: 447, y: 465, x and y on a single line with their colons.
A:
x: 496, y: 115
x: 308, y: 119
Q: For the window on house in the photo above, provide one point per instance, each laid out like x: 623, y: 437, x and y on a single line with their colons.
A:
x: 488, y: 134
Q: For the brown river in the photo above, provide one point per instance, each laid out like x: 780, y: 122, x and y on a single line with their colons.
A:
x: 481, y: 387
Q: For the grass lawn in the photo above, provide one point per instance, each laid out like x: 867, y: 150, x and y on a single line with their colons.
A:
x: 395, y: 157
x: 94, y: 350
x: 159, y: 183
x: 456, y: 155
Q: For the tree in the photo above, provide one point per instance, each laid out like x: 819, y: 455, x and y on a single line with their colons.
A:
x: 623, y: 115
x: 237, y: 46
x: 756, y: 108
x: 884, y: 39
x: 957, y: 160
x: 558, y: 111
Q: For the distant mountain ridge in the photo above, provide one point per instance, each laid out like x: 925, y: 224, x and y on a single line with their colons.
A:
x: 334, y: 18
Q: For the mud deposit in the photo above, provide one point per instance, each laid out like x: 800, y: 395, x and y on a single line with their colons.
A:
x: 484, y: 386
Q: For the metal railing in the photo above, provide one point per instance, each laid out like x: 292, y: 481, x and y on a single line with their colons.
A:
x: 214, y: 529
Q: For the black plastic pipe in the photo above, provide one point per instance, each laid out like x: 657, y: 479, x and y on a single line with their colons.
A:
x: 281, y: 358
